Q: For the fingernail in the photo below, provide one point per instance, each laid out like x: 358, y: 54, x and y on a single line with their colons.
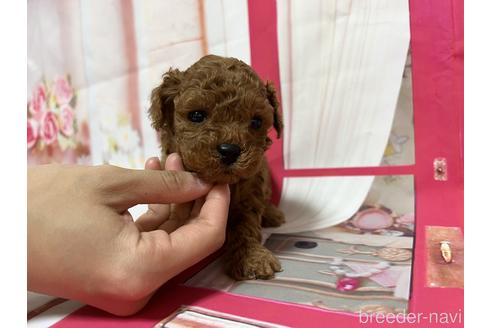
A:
x: 150, y: 160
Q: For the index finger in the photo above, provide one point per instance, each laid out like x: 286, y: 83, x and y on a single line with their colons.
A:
x: 125, y: 187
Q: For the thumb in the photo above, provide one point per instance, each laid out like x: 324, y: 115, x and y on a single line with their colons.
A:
x: 204, y: 234
x: 125, y: 187
x: 191, y: 242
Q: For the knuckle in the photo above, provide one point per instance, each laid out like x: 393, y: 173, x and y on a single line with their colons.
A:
x: 97, y: 175
x: 171, y: 180
x: 108, y: 179
x: 104, y: 170
x: 222, y: 239
x: 219, y: 240
x: 84, y: 180
x: 118, y: 283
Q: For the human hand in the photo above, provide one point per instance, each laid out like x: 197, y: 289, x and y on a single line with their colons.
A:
x: 167, y: 217
x: 84, y: 245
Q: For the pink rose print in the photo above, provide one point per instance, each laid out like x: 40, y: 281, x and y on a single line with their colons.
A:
x: 32, y: 133
x: 38, y: 102
x: 49, y: 128
x: 66, y: 120
x: 62, y: 91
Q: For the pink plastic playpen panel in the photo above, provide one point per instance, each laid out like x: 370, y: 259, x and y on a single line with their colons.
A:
x: 437, y: 60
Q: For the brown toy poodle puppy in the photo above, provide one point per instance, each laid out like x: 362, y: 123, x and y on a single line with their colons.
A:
x: 216, y: 115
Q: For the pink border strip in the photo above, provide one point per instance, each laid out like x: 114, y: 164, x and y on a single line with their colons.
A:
x: 264, y: 59
x: 128, y: 23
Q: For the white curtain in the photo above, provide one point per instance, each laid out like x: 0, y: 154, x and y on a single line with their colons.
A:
x: 320, y: 202
x: 341, y: 67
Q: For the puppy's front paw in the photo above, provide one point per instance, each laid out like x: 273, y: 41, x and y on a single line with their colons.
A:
x: 272, y: 217
x: 256, y: 263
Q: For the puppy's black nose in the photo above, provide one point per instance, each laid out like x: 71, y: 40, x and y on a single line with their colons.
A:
x: 228, y: 153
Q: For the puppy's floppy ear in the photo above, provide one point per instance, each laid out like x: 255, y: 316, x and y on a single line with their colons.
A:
x: 272, y: 98
x: 161, y: 111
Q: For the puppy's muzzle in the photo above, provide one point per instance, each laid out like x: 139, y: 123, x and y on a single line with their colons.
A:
x: 228, y: 153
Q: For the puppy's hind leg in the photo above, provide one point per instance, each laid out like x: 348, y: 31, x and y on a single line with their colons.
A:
x: 272, y: 217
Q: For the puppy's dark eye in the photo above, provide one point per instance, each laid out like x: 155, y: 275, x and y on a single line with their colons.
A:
x: 256, y: 122
x: 197, y: 116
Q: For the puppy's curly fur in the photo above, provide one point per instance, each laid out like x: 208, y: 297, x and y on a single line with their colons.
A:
x: 222, y: 101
